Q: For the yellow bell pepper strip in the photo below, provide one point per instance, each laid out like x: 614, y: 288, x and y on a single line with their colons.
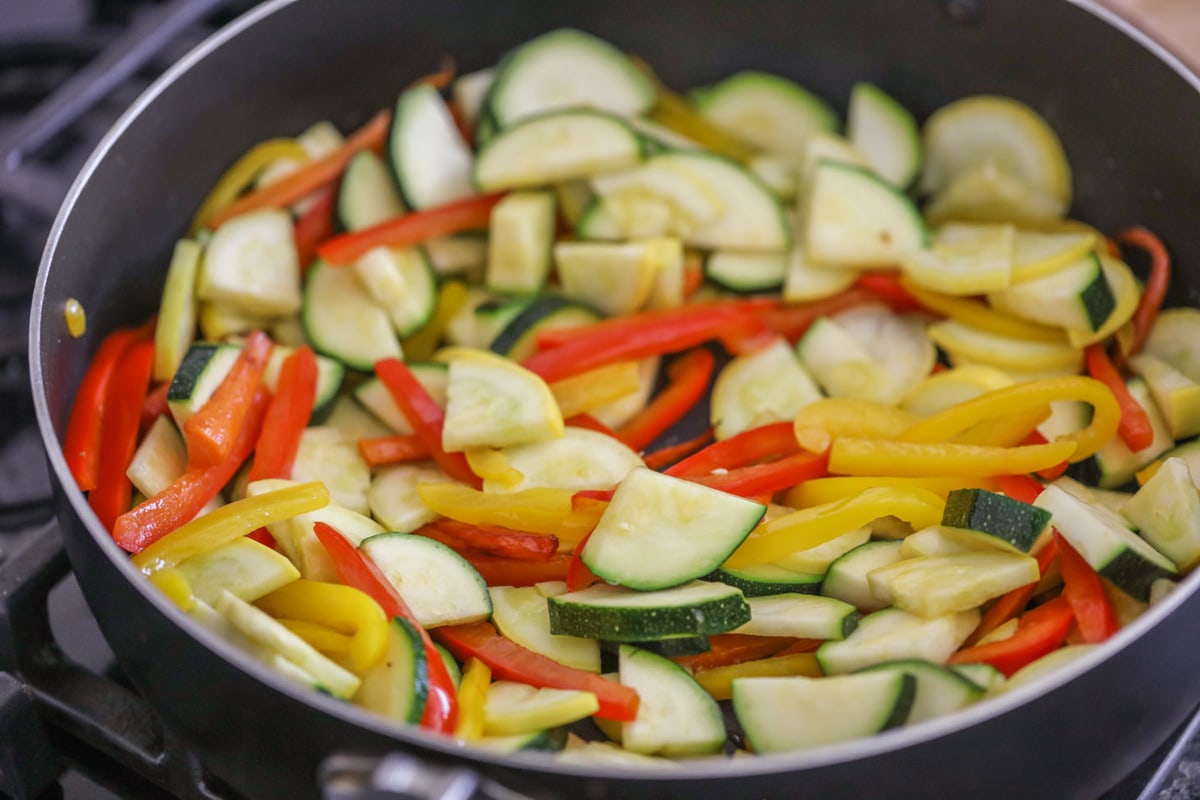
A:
x: 343, y: 608
x: 850, y: 456
x: 839, y: 487
x: 810, y: 527
x: 531, y: 510
x: 822, y: 421
x: 491, y: 465
x: 321, y: 637
x: 718, y: 681
x: 978, y: 315
x: 580, y: 394
x: 239, y: 176
x: 1106, y: 413
x: 1009, y: 430
x: 472, y: 694
x: 228, y: 522
x: 174, y: 584
x: 451, y: 297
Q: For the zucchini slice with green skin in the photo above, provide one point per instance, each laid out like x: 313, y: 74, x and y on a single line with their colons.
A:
x: 804, y: 616
x: 660, y: 531
x: 1077, y: 296
x: 985, y: 676
x: 1175, y: 338
x: 367, y: 193
x: 805, y: 281
x: 596, y: 223
x: 939, y: 691
x: 398, y: 687
x: 439, y: 585
x: 1115, y: 463
x: 580, y: 459
x: 850, y: 217
x: 493, y: 402
x: 628, y: 615
x: 846, y: 578
x: 567, y: 68
x: 343, y: 322
x: 393, y: 497
x: 891, y: 634
x: 324, y: 454
x: 433, y: 164
x: 935, y: 586
x: 251, y: 263
x: 746, y: 272
x: 176, y: 326
x: 885, y: 132
x: 554, y: 147
x: 764, y: 580
x: 1189, y: 452
x: 203, y: 368
x: 1110, y: 548
x: 1166, y: 511
x: 245, y: 568
x: 1021, y: 525
x: 818, y: 559
x: 470, y: 92
x: 766, y: 110
x: 520, y: 614
x: 376, y: 398
x: 795, y: 713
x: 402, y: 283
x: 898, y: 343
x: 839, y: 364
x: 676, y: 716
x: 667, y: 647
x: 517, y: 339
x: 551, y: 739
x: 520, y: 237
x: 615, y: 279
x: 769, y: 385
x: 1176, y: 395
x: 513, y: 708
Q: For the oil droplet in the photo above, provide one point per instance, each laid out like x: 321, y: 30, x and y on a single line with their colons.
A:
x: 76, y: 317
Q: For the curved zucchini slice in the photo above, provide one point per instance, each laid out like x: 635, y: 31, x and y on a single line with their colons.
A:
x: 938, y: 690
x: 251, y: 263
x: 493, y: 402
x: 1021, y: 525
x: 520, y: 614
x: 367, y: 193
x: 615, y: 279
x: 1175, y: 338
x: 567, y: 68
x: 892, y: 634
x: 801, y: 615
x: 885, y: 132
x: 393, y: 496
x: 964, y: 260
x: 397, y: 687
x: 176, y: 326
x: 432, y: 162
x: 1167, y: 512
x: 755, y: 389
x: 580, y: 459
x: 766, y: 110
x: 764, y: 580
x: 1077, y: 296
x: 850, y: 217
x: 846, y: 578
x: 518, y: 338
x: 628, y: 615
x: 402, y: 283
x: 343, y: 322
x: 520, y: 235
x: 439, y: 585
x: 747, y: 272
x: 676, y: 716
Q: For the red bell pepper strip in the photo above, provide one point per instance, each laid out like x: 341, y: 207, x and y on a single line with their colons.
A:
x: 155, y: 405
x: 81, y: 443
x: 378, y: 451
x: 889, y: 288
x: 180, y: 502
x: 672, y: 453
x: 356, y: 569
x: 767, y: 479
x: 1039, y: 632
x: 124, y: 395
x: 497, y: 571
x: 1135, y: 429
x: 310, y: 176
x: 1013, y: 602
x: 210, y: 432
x: 693, y: 275
x: 641, y: 338
x: 591, y: 423
x: 425, y: 416
x: 801, y: 646
x: 413, y: 228
x: 550, y: 338
x: 287, y: 417
x: 1050, y: 473
x: 748, y: 447
x: 1156, y: 283
x: 263, y: 537
x: 1082, y: 587
x: 726, y: 649
x: 1020, y: 487
x: 578, y: 575
x: 511, y: 661
x: 689, y: 376
x: 314, y: 226
x: 492, y: 541
x: 792, y: 321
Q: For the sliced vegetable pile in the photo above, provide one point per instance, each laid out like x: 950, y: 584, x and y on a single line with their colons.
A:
x: 570, y: 397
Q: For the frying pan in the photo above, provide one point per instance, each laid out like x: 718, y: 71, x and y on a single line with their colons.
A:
x: 1129, y: 116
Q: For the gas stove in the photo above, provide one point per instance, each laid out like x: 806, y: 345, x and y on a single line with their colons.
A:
x: 70, y: 724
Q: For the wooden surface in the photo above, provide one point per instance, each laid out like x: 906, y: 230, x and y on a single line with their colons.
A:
x: 1176, y: 23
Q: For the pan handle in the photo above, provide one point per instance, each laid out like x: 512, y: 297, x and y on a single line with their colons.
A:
x: 400, y: 776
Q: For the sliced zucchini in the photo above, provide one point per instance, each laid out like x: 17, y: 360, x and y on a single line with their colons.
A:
x: 245, y: 568
x: 219, y: 322
x: 1166, y: 511
x: 493, y: 402
x: 1037, y: 254
x: 402, y: 283
x: 330, y: 374
x: 769, y: 385
x: 1176, y: 395
x: 752, y: 219
x: 846, y: 578
x: 896, y: 342
x: 439, y: 586
x: 985, y: 676
x: 354, y: 421
x: 1175, y: 338
x: 520, y: 614
x: 805, y: 616
x: 251, y: 263
x: 780, y: 174
x: 367, y: 193
x: 746, y: 272
x: 891, y: 634
x: 555, y: 147
x: 398, y: 686
x: 325, y: 455
x: 176, y: 326
x: 376, y: 398
x: 1125, y: 289
x: 768, y: 579
x: 567, y: 68
x: 659, y: 138
x: 513, y: 708
x: 935, y: 586
x: 806, y: 280
x: 1021, y: 525
x: 573, y: 198
x: 394, y: 500
x: 464, y: 254
x: 579, y: 459
x: 597, y: 223
x: 659, y: 197
x: 343, y: 322
x: 1000, y: 130
x: 849, y: 217
x: 667, y: 647
x: 1115, y: 462
x: 1076, y: 296
x: 616, y: 279
x: 517, y: 339
x: 977, y: 346
x: 989, y: 192
x: 492, y: 317
x: 675, y: 716
x: 160, y: 458
x: 838, y: 363
x: 939, y: 690
x: 520, y: 235
x: 964, y: 260
x: 470, y: 92
x: 551, y: 739
x: 795, y: 713
x: 1111, y: 549
x: 885, y: 132
x: 660, y: 531
x: 432, y: 162
x: 203, y: 368
x: 765, y: 110
x: 627, y: 615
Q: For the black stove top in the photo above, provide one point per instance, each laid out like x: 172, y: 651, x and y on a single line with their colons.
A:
x: 70, y: 726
